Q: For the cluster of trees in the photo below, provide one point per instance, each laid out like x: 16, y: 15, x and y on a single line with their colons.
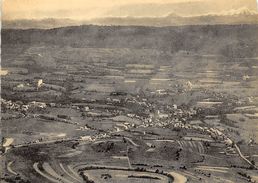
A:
x: 243, y: 174
x: 16, y: 179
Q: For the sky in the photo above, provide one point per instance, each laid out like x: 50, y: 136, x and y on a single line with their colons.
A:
x: 89, y: 9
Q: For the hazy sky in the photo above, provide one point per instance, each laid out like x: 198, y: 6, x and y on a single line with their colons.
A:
x: 88, y: 9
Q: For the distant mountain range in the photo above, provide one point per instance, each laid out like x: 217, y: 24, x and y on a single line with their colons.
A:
x: 38, y: 24
x: 239, y: 16
x: 183, y: 8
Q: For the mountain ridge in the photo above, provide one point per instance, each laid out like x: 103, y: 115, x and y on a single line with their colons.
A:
x: 235, y: 16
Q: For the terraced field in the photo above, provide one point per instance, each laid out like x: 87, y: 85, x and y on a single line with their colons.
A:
x: 77, y: 108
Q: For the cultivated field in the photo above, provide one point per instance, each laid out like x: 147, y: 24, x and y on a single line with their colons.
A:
x: 130, y: 104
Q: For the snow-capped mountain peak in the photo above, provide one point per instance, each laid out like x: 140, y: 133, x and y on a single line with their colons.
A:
x: 239, y: 12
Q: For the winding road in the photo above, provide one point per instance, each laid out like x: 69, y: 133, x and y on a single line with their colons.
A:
x: 243, y: 157
x: 10, y: 169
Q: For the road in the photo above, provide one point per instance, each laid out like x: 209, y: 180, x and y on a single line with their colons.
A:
x: 132, y: 142
x: 10, y: 169
x: 212, y: 169
x: 243, y: 157
x: 178, y: 178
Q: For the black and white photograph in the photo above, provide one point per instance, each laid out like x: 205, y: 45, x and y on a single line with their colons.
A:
x: 129, y: 91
